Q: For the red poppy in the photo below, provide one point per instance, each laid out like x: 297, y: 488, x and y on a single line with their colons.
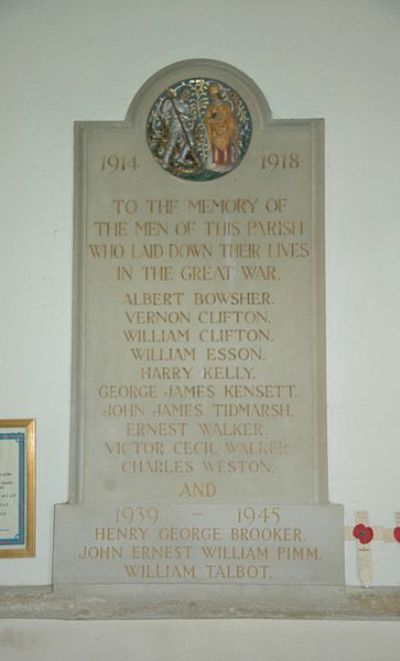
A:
x: 364, y: 534
x: 396, y: 533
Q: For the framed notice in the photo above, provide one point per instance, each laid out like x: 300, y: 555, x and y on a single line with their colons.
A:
x: 17, y: 488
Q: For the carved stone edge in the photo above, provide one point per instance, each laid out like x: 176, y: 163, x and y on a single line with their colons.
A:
x: 206, y: 602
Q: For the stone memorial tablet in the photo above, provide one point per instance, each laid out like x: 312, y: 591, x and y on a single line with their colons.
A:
x: 198, y: 449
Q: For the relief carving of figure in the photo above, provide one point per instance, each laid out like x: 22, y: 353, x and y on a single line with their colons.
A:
x: 222, y: 130
x: 177, y: 116
x: 199, y: 129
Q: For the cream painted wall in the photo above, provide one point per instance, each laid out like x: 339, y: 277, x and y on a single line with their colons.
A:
x: 85, y: 59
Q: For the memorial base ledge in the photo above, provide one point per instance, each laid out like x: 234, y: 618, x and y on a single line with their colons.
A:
x: 113, y: 602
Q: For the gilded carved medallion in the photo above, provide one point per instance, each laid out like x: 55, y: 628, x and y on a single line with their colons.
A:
x: 199, y: 129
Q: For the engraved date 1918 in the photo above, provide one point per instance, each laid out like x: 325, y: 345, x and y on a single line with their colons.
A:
x: 274, y: 161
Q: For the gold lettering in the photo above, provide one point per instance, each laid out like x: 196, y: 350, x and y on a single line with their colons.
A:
x: 100, y: 553
x: 198, y: 490
x: 252, y: 572
x: 297, y: 553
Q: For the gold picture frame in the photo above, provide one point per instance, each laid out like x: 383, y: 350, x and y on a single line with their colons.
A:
x: 17, y: 488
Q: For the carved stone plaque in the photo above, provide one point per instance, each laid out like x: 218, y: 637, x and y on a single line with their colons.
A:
x: 198, y: 428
